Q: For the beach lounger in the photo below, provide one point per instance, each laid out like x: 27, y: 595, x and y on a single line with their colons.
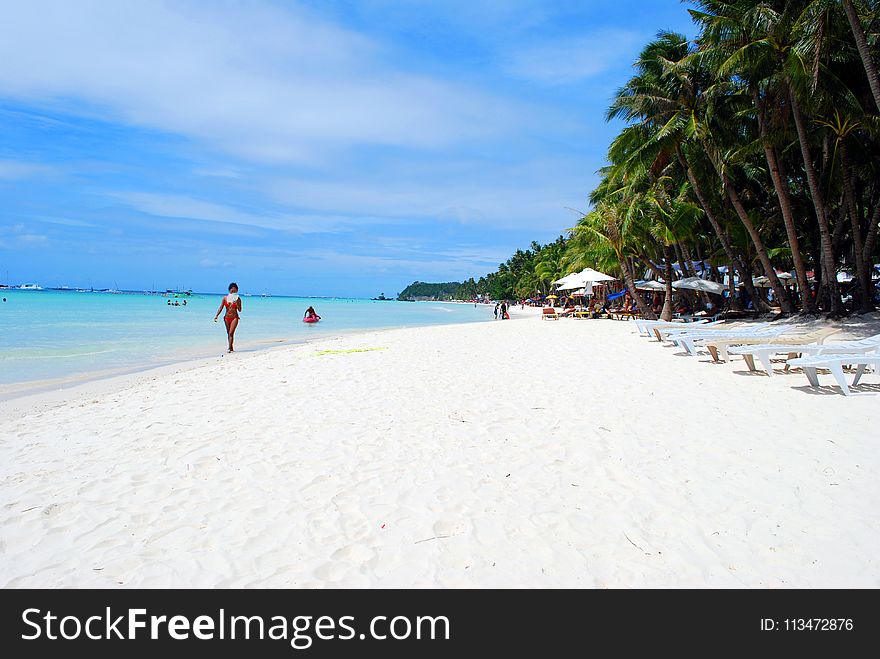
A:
x: 722, y: 346
x: 835, y: 364
x: 646, y: 327
x: 688, y: 341
x: 549, y: 313
x: 674, y: 333
x: 765, y: 352
x: 624, y: 315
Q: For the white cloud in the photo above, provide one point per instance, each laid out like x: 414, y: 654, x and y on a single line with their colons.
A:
x: 16, y: 169
x: 520, y: 203
x: 20, y: 236
x: 184, y: 207
x: 257, y: 80
x: 212, y: 264
x: 573, y: 60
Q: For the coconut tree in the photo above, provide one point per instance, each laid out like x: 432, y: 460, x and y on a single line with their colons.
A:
x: 665, y: 103
x: 604, y: 237
x: 864, y: 51
x: 748, y: 42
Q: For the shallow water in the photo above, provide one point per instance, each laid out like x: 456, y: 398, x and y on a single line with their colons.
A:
x: 47, y: 335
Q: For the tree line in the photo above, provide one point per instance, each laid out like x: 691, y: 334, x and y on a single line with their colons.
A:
x: 754, y: 146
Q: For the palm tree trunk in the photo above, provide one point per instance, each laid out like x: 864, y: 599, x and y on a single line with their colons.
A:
x: 686, y: 253
x: 769, y: 270
x: 679, y: 256
x: 784, y: 206
x: 744, y: 271
x: 666, y: 314
x: 630, y: 282
x: 871, y: 236
x: 839, y: 228
x: 867, y: 301
x: 864, y: 51
x: 828, y: 260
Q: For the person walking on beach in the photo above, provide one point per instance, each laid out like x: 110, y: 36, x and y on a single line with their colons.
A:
x: 496, y: 311
x: 232, y: 304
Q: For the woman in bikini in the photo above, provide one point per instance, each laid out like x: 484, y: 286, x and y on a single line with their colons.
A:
x: 232, y: 304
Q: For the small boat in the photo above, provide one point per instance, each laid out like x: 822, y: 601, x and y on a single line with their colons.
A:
x: 30, y: 287
x: 176, y: 293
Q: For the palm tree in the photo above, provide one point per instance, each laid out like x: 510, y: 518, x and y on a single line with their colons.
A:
x: 864, y: 52
x: 603, y: 235
x: 666, y: 105
x: 749, y: 42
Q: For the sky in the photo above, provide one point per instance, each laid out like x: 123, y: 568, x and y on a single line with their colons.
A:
x: 331, y: 147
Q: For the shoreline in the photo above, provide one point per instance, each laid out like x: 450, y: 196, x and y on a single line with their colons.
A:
x: 31, y: 388
x: 17, y: 397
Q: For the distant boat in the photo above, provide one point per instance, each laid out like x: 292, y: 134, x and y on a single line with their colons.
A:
x: 171, y: 293
x: 30, y: 287
x: 265, y: 295
x: 383, y: 298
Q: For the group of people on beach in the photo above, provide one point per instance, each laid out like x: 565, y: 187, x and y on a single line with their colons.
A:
x: 231, y: 305
x: 501, y: 311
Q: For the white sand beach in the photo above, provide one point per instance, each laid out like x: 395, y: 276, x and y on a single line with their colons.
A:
x: 501, y: 454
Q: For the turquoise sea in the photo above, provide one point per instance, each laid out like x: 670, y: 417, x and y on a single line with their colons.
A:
x: 61, y: 335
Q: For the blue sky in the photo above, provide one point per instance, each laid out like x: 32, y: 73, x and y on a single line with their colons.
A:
x: 315, y: 148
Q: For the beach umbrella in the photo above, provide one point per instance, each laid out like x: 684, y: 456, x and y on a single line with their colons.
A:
x: 650, y: 285
x: 697, y: 284
x: 590, y: 275
x: 569, y: 281
x: 583, y: 279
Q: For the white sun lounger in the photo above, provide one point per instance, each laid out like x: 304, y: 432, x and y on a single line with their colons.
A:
x: 672, y: 333
x: 645, y: 326
x: 835, y: 364
x: 795, y: 337
x: 688, y: 340
x: 765, y: 352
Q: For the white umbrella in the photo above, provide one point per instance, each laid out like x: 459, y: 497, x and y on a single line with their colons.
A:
x: 650, y: 285
x: 588, y: 274
x: 568, y: 282
x: 697, y: 284
x: 586, y: 277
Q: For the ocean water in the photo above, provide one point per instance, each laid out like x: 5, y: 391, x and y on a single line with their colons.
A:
x: 58, y: 335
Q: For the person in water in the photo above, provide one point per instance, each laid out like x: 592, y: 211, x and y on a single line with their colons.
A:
x: 232, y: 304
x: 311, y: 314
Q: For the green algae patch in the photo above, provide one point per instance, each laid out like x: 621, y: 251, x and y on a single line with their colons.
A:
x: 321, y: 353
